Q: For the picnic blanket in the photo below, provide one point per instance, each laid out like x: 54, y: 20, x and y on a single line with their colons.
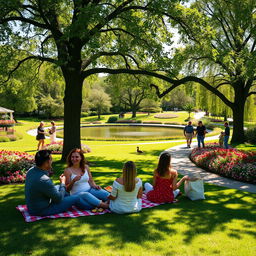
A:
x: 74, y: 212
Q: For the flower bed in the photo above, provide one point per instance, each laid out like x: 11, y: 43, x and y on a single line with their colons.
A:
x: 10, y: 135
x: 14, y: 165
x: 7, y: 123
x: 56, y: 148
x: 232, y: 163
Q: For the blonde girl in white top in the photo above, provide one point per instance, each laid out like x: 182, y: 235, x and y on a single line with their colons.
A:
x: 127, y: 191
x: 79, y: 181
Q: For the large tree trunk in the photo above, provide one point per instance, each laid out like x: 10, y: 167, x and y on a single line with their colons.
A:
x: 238, y: 119
x: 72, y: 111
x: 134, y: 111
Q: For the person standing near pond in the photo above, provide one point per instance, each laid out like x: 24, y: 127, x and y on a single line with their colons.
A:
x: 200, y: 133
x: 52, y: 132
x: 227, y: 134
x: 40, y: 136
x: 189, y: 133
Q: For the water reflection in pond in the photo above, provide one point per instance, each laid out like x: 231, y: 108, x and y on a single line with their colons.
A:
x: 130, y: 132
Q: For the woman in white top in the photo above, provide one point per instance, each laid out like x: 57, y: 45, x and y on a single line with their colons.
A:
x: 127, y: 191
x: 52, y: 132
x: 79, y: 181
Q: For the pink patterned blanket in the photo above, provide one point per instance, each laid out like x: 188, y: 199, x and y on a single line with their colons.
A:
x: 74, y: 212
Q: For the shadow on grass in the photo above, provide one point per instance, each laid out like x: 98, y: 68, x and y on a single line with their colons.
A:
x: 60, y: 236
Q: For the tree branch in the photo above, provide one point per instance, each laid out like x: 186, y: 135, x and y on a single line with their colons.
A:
x: 174, y: 82
x: 251, y: 93
x: 87, y: 62
x: 25, y: 20
x: 26, y: 59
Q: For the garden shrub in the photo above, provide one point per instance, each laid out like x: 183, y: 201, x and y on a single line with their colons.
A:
x: 84, y: 114
x: 4, y: 139
x: 11, y: 137
x: 56, y: 148
x: 250, y: 135
x: 14, y: 165
x: 112, y: 119
x: 128, y: 121
x: 236, y: 164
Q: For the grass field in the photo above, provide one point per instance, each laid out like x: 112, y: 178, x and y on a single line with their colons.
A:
x: 223, y: 224
x: 181, y: 117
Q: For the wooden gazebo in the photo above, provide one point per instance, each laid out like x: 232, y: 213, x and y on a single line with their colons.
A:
x: 6, y: 111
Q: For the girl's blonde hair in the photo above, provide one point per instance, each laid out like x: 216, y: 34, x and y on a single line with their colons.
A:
x: 129, y: 175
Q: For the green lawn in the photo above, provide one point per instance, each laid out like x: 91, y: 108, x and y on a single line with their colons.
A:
x: 223, y: 224
x: 181, y: 117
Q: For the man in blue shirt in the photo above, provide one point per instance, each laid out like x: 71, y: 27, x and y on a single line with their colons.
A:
x: 189, y: 133
x: 42, y: 197
x: 226, y: 136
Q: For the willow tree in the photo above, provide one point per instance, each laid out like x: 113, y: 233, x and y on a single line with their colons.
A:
x: 78, y: 36
x: 219, y: 37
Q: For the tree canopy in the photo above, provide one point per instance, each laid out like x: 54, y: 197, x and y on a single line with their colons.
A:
x: 135, y: 37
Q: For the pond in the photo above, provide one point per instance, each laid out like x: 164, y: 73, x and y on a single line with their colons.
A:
x: 130, y: 132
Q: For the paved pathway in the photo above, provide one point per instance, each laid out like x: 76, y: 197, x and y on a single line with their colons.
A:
x: 182, y: 163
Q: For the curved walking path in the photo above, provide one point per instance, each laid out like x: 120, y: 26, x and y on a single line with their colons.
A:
x: 182, y: 163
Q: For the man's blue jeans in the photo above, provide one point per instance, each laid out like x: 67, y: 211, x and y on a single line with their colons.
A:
x: 226, y: 138
x: 200, y: 139
x: 65, y: 204
x: 94, y: 196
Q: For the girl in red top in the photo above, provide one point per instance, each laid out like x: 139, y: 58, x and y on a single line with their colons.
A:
x: 165, y: 185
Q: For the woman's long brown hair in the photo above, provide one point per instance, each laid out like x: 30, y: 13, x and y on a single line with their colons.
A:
x: 83, y: 162
x: 163, y: 164
x: 129, y: 175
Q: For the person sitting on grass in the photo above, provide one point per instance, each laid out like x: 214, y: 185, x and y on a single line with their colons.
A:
x: 165, y: 185
x: 42, y: 197
x: 79, y: 181
x: 127, y: 191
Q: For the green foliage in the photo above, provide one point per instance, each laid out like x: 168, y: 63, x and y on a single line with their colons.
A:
x: 4, y: 139
x: 99, y: 101
x: 189, y: 108
x: 178, y: 98
x: 250, y: 135
x: 131, y: 92
x: 112, y: 119
x: 150, y: 106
